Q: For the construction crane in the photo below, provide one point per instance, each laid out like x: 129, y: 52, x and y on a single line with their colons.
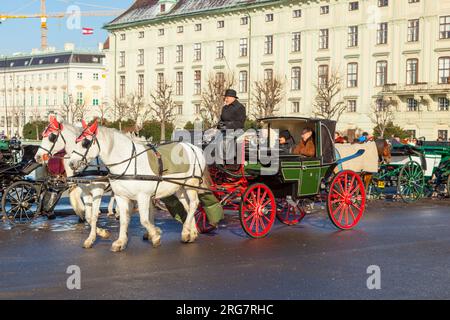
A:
x: 43, y: 16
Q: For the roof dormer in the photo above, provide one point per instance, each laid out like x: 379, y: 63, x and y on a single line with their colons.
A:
x: 166, y: 5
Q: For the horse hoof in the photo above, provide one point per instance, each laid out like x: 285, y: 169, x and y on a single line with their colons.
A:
x: 185, y: 238
x: 88, y: 244
x: 104, y: 234
x: 118, y: 246
x: 157, y: 244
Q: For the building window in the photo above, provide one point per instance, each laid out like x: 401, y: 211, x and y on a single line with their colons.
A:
x: 160, y: 80
x: 295, y: 107
x: 268, y: 74
x: 295, y: 78
x: 179, y: 109
x: 179, y: 84
x: 243, y: 81
x: 140, y: 57
x: 244, y: 21
x: 123, y: 36
x: 197, y: 51
x: 160, y: 32
x: 443, y: 104
x: 179, y: 53
x: 382, y: 33
x: 79, y: 99
x: 198, y: 27
x: 141, y: 85
x: 122, y: 87
x: 95, y: 102
x: 352, y: 75
x: 198, y: 108
x: 383, y: 3
x: 220, y: 50
x: 353, y: 6
x: 94, y: 76
x: 160, y: 55
x: 444, y: 27
x: 197, y: 82
x: 296, y: 13
x: 220, y: 24
x: 381, y: 71
x: 268, y: 45
x: 412, y: 104
x: 122, y: 59
x: 351, y: 106
x: 269, y: 17
x: 323, y: 38
x: 296, y: 42
x: 353, y: 36
x: 79, y: 76
x: 413, y: 30
x: 324, y: 9
x: 443, y: 135
x: 323, y: 75
x: 243, y: 47
x: 444, y: 70
x: 412, y: 71
x: 180, y: 29
x: 141, y: 35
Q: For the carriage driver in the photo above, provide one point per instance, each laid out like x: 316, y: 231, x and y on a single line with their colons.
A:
x: 233, y: 113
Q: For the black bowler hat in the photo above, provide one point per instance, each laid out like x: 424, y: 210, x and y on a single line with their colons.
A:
x: 231, y: 93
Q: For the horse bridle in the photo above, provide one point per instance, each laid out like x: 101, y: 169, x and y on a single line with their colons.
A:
x: 87, y: 144
x: 53, y: 138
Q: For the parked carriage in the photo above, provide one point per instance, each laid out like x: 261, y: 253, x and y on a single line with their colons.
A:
x: 437, y: 174
x: 260, y: 193
x: 403, y: 176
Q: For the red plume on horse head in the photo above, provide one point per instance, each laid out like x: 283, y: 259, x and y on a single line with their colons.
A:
x: 89, y: 131
x: 53, y: 126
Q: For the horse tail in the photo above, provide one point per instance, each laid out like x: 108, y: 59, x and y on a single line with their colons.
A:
x: 76, y: 202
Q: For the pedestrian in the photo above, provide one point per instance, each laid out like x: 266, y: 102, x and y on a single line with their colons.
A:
x: 363, y: 138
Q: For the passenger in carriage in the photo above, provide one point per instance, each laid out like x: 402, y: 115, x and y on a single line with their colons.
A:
x: 306, y: 147
x: 286, y: 142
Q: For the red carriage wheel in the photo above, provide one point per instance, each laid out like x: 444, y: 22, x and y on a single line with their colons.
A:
x: 258, y: 210
x: 289, y: 214
x: 346, y: 200
x: 201, y: 221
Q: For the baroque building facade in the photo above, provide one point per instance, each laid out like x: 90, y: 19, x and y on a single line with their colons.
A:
x: 383, y: 50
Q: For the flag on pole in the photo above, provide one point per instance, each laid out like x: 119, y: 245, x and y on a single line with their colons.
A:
x: 88, y: 31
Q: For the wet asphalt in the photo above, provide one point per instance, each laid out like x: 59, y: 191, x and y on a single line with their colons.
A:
x: 409, y: 243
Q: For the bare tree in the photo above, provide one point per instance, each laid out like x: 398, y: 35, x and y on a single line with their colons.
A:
x: 163, y: 106
x: 80, y: 110
x: 383, y: 112
x: 326, y: 104
x: 267, y: 95
x: 212, y: 96
x: 120, y: 110
x: 104, y: 109
x: 138, y: 110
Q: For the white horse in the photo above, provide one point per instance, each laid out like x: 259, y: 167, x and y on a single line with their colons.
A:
x: 61, y: 136
x: 127, y: 158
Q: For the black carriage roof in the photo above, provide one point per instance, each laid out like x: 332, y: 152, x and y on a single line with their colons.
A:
x: 297, y: 119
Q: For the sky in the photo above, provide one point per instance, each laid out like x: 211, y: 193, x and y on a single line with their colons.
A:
x: 22, y: 35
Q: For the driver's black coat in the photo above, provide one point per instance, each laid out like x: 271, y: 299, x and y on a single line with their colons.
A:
x: 233, y: 116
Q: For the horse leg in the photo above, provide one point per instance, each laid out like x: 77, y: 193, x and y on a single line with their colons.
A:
x: 190, y: 233
x: 123, y: 205
x: 146, y: 214
x: 111, y: 206
x: 76, y: 202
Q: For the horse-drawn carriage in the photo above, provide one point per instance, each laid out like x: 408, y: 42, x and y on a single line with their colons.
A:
x: 414, y: 172
x: 262, y: 191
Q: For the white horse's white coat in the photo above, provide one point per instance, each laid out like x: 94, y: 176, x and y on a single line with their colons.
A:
x: 116, y: 147
x: 91, y: 194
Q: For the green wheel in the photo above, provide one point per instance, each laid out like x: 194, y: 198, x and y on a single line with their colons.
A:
x: 411, y: 182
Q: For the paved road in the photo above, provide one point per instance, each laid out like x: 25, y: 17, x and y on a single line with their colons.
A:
x: 410, y: 244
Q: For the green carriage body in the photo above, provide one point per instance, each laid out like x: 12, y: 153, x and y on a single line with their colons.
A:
x: 295, y: 175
